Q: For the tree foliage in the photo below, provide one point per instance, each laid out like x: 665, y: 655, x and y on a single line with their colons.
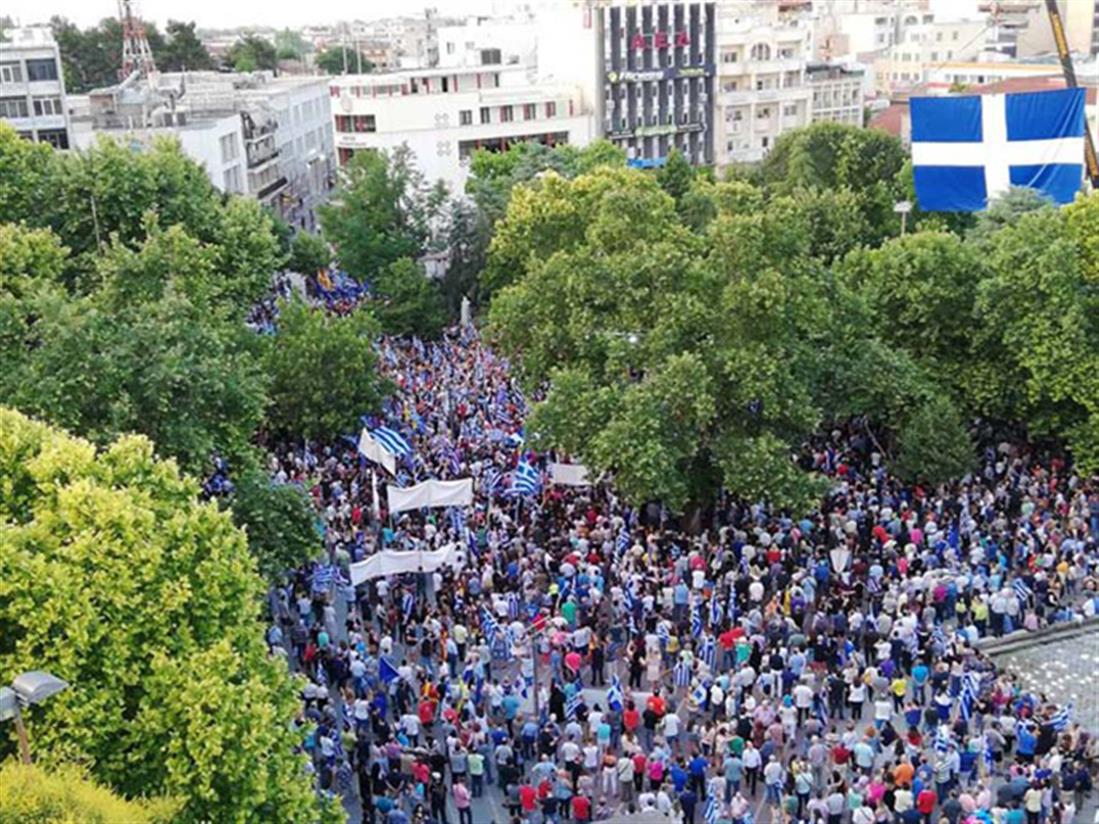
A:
x: 252, y: 53
x: 182, y: 50
x: 407, y: 302
x: 65, y: 794
x: 279, y: 522
x: 323, y: 372
x: 309, y: 253
x: 379, y: 213
x: 117, y: 580
x: 331, y: 61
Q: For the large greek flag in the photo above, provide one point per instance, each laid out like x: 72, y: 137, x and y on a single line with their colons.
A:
x: 967, y: 150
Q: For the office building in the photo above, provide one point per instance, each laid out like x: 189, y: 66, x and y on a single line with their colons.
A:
x: 32, y: 86
x: 837, y: 93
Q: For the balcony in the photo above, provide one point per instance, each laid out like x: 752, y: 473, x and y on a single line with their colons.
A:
x: 272, y: 188
x: 741, y: 98
x: 261, y: 157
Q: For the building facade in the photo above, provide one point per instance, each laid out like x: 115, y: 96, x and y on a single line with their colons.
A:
x: 32, y: 86
x: 658, y: 79
x: 761, y: 83
x: 837, y: 93
x: 445, y: 115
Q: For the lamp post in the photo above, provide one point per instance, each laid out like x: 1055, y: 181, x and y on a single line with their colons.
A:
x: 902, y: 208
x: 27, y: 689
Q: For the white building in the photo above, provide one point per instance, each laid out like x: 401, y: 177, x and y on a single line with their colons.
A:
x: 254, y: 134
x: 926, y: 46
x: 761, y: 89
x: 837, y: 93
x: 32, y: 86
x: 485, y: 41
x: 444, y: 115
x: 854, y: 27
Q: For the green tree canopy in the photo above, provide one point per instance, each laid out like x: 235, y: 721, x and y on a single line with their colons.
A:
x: 252, y: 53
x: 65, y: 794
x: 379, y: 213
x: 330, y: 61
x: 407, y: 302
x: 279, y: 521
x: 309, y: 253
x: 182, y: 50
x: 323, y: 372
x: 115, y: 578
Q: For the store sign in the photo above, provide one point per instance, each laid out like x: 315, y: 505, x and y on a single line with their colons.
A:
x: 659, y: 40
x: 670, y: 73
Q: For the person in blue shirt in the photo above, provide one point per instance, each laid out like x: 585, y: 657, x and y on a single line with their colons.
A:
x: 1027, y: 741
x: 678, y: 776
x: 697, y: 768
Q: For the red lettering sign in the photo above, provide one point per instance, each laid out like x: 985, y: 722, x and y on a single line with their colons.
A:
x: 682, y: 38
x: 639, y: 41
x: 660, y: 40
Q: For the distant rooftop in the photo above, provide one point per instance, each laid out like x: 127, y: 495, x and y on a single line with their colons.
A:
x: 28, y: 36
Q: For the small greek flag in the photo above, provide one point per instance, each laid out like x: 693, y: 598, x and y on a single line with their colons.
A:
x: 717, y: 613
x: 942, y: 739
x: 663, y: 633
x: 682, y: 674
x: 709, y: 652
x: 408, y: 604
x: 525, y: 480
x: 622, y: 542
x: 713, y: 813
x: 614, y: 694
x: 820, y: 706
x: 970, y: 686
x: 513, y: 606
x: 521, y: 686
x: 572, y: 706
x: 391, y: 441
x: 488, y: 626
x: 491, y: 480
x: 1021, y: 589
x: 1063, y: 717
x: 696, y: 620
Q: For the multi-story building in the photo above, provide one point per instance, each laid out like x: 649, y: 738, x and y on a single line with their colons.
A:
x: 854, y: 27
x: 761, y: 82
x: 924, y: 47
x: 658, y: 70
x: 32, y: 86
x: 485, y: 41
x: 837, y: 93
x: 254, y: 134
x: 444, y: 115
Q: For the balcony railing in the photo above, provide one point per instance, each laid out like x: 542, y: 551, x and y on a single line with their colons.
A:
x: 271, y: 188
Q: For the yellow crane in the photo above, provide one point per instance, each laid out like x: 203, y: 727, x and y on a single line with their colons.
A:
x: 1061, y: 42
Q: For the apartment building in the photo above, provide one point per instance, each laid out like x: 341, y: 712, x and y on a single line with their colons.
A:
x: 837, y: 93
x: 32, y: 86
x: 926, y: 46
x: 762, y: 89
x: 444, y: 115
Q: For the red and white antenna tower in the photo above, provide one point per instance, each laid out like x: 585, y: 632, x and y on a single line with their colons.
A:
x: 136, y: 54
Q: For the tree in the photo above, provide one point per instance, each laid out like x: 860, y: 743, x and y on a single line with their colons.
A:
x: 162, y: 367
x: 182, y: 50
x: 932, y: 445
x: 278, y: 520
x: 65, y: 794
x: 331, y: 61
x: 179, y: 699
x: 407, y: 302
x: 378, y: 214
x: 251, y: 53
x: 290, y: 45
x: 675, y: 175
x: 309, y: 253
x: 28, y: 257
x: 468, y: 236
x: 25, y: 183
x: 323, y: 372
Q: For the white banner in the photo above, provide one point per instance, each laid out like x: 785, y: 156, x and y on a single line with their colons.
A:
x: 431, y: 493
x: 569, y: 474
x: 373, y: 450
x: 395, y: 562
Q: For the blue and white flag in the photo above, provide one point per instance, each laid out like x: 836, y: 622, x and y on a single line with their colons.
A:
x: 622, y: 542
x: 614, y: 694
x: 663, y: 634
x: 696, y: 620
x: 1062, y: 718
x: 572, y: 706
x: 713, y: 812
x: 1021, y: 589
x: 967, y: 150
x: 408, y: 605
x: 488, y: 626
x: 709, y: 652
x: 942, y: 739
x: 717, y: 612
x: 682, y: 673
x: 491, y: 480
x: 391, y: 441
x: 970, y: 685
x: 513, y: 606
x: 700, y: 694
x: 525, y: 480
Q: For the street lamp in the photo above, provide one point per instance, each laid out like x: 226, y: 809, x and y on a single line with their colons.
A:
x: 26, y: 690
x: 902, y: 208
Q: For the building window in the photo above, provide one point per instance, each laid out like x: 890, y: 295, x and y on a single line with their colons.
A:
x: 363, y: 123
x: 465, y: 117
x: 230, y: 150
x: 485, y: 117
x: 496, y: 80
x: 13, y: 107
x: 231, y: 179
x: 506, y: 114
x: 761, y: 51
x: 41, y: 70
x: 729, y: 86
x: 790, y: 109
x: 490, y: 57
x: 764, y: 142
x: 530, y: 111
x: 47, y: 106
x: 58, y: 138
x: 729, y: 57
x: 450, y: 48
x: 763, y: 113
x: 551, y: 109
x: 11, y: 73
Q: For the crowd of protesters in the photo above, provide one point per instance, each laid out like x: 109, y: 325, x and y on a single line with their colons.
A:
x: 587, y: 660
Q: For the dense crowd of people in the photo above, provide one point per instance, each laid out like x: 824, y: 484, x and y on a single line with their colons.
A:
x: 587, y: 659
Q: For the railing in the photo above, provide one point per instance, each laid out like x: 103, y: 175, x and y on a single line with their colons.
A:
x: 271, y: 188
